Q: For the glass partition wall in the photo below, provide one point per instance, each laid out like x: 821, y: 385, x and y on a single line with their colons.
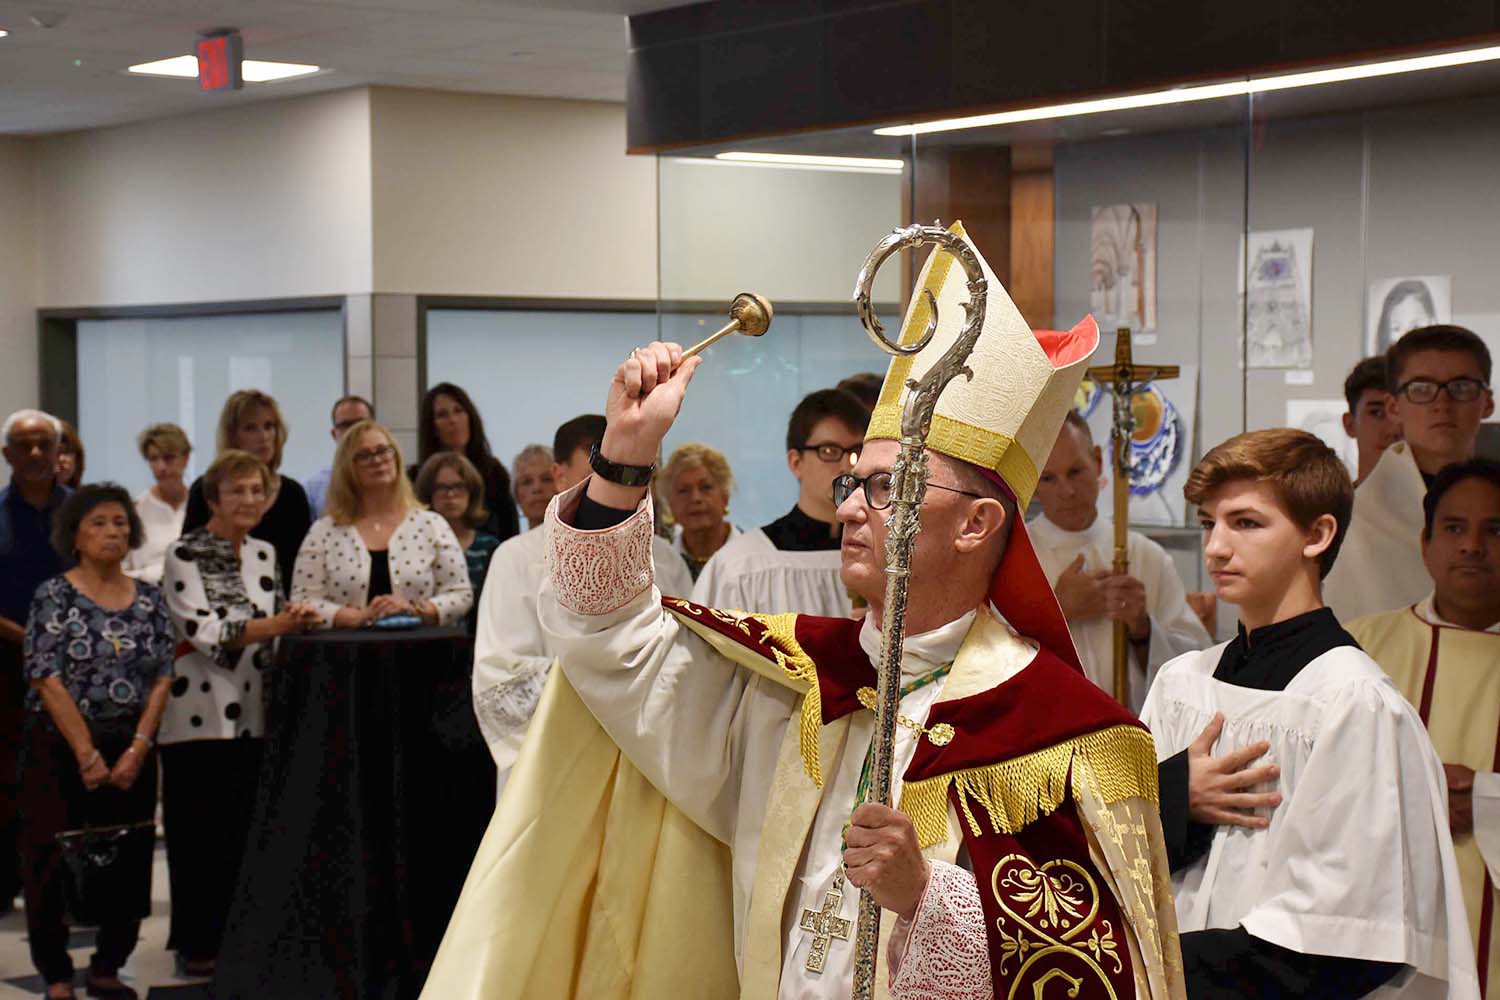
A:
x: 1264, y: 243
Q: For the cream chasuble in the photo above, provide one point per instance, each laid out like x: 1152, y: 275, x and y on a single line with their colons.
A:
x: 1380, y: 566
x: 1452, y: 676
x: 511, y: 655
x: 1175, y: 629
x: 752, y: 574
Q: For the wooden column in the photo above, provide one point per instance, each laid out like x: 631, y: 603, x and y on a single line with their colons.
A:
x: 1004, y: 198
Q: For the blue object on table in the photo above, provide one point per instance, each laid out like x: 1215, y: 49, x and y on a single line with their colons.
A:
x: 397, y: 622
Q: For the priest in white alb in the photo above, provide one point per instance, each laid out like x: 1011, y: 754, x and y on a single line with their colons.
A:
x: 1439, y: 379
x: 1335, y: 877
x: 1076, y: 548
x: 511, y: 654
x: 1444, y: 654
x: 684, y: 817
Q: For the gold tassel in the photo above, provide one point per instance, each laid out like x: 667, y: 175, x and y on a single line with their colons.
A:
x: 1120, y: 761
x: 781, y: 631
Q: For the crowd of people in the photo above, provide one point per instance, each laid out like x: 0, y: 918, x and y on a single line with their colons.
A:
x: 135, y: 632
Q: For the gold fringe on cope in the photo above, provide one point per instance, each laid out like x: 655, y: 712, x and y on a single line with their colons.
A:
x: 1119, y: 763
x: 781, y: 639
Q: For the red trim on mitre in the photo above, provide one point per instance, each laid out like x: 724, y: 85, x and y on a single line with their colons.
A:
x: 1021, y: 592
x: 1064, y: 347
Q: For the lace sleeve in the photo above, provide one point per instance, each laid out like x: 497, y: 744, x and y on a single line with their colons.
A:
x: 942, y: 953
x: 597, y: 572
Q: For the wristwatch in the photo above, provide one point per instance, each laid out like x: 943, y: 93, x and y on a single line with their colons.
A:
x: 621, y: 475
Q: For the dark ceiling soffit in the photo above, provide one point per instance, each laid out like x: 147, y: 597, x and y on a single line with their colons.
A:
x: 684, y: 90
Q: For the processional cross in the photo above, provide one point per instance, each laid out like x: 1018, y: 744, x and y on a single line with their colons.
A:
x: 1125, y: 379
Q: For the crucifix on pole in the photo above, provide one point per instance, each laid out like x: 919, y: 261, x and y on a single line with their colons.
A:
x: 1125, y: 378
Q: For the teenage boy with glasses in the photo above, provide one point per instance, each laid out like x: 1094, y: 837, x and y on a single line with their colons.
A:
x: 792, y: 564
x: 1439, y: 379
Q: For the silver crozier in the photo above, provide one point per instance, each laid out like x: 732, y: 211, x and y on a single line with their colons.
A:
x: 908, y: 484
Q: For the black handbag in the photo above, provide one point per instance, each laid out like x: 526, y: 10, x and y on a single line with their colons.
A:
x: 107, y: 872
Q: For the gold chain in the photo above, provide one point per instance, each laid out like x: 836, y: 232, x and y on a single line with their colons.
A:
x: 939, y: 735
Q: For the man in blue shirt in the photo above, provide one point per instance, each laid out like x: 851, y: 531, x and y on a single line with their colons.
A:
x: 347, y: 412
x: 26, y: 559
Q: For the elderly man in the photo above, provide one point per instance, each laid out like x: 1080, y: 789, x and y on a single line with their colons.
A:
x: 686, y: 819
x: 1076, y: 548
x: 26, y: 559
x: 1444, y: 655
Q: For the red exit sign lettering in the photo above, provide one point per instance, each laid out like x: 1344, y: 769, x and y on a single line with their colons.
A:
x: 219, y: 59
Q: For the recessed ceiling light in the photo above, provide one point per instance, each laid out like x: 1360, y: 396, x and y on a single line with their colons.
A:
x: 3, y: 33
x: 855, y: 164
x: 253, y: 70
x: 1204, y: 92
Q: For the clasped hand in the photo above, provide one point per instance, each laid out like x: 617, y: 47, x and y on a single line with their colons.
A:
x: 126, y: 770
x: 1217, y: 786
x: 1090, y: 595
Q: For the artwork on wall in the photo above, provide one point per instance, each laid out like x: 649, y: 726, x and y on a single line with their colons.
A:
x: 1276, y: 284
x: 1400, y: 305
x: 1161, y: 449
x: 1122, y: 265
x: 1325, y: 418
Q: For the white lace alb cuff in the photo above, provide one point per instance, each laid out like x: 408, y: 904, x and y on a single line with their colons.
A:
x: 942, y: 954
x: 597, y: 572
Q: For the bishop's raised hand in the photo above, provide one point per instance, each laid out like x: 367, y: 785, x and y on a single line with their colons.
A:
x: 645, y: 396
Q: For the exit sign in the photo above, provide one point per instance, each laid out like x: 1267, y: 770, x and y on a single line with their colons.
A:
x: 219, y: 58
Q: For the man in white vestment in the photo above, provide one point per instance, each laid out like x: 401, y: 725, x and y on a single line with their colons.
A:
x: 1443, y: 653
x: 1439, y: 379
x: 792, y: 564
x: 1076, y: 547
x: 1338, y: 878
x: 685, y: 818
x: 511, y: 654
x: 1369, y: 420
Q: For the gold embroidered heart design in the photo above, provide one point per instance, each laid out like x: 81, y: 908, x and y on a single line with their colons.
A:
x: 1056, y: 901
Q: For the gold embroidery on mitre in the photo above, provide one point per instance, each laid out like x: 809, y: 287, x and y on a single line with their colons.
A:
x: 888, y: 405
x: 1119, y: 762
x: 1052, y: 907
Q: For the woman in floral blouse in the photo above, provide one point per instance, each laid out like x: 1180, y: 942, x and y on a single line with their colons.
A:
x: 98, y: 658
x: 224, y: 592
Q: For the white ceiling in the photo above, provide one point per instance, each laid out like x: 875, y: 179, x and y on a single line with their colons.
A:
x: 70, y: 76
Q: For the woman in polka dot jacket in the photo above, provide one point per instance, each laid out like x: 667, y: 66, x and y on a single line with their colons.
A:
x: 377, y: 551
x: 224, y: 593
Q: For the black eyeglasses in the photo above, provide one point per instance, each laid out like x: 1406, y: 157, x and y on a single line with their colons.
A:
x: 370, y: 456
x: 1424, y: 390
x: 830, y: 452
x: 877, y: 488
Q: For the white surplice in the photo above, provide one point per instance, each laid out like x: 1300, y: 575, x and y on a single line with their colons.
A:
x: 1357, y: 861
x: 751, y: 574
x: 1380, y: 565
x: 710, y: 736
x: 511, y: 654
x: 1175, y: 629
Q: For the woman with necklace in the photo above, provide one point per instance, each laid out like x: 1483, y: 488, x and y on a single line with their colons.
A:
x: 695, y: 486
x: 98, y: 655
x: 222, y: 589
x: 377, y: 552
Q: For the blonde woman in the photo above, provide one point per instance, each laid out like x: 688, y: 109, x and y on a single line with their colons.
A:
x: 695, y: 485
x: 162, y: 506
x: 251, y: 421
x: 377, y: 552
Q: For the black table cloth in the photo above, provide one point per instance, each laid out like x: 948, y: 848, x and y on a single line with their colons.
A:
x: 374, y: 792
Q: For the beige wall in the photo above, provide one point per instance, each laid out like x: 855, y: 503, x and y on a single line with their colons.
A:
x: 269, y: 200
x: 483, y: 195
x: 18, y: 279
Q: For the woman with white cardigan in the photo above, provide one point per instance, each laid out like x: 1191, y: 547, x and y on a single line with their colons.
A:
x: 377, y: 552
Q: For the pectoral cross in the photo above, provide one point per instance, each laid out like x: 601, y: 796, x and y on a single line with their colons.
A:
x: 825, y: 925
x: 1125, y: 378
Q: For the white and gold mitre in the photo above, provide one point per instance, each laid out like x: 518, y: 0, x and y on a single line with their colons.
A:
x: 1006, y: 417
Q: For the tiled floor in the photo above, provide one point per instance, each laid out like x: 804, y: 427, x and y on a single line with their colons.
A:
x: 151, y: 965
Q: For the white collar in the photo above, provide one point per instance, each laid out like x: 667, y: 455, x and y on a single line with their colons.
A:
x: 922, y: 653
x: 1426, y: 609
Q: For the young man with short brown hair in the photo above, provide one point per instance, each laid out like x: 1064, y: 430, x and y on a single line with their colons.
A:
x: 1298, y: 876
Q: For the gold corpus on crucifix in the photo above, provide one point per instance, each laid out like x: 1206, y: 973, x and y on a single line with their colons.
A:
x: 1125, y: 378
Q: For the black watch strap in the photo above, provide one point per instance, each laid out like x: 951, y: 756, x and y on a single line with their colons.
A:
x: 622, y: 475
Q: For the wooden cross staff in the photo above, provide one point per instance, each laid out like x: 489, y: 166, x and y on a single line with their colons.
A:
x: 1125, y: 378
